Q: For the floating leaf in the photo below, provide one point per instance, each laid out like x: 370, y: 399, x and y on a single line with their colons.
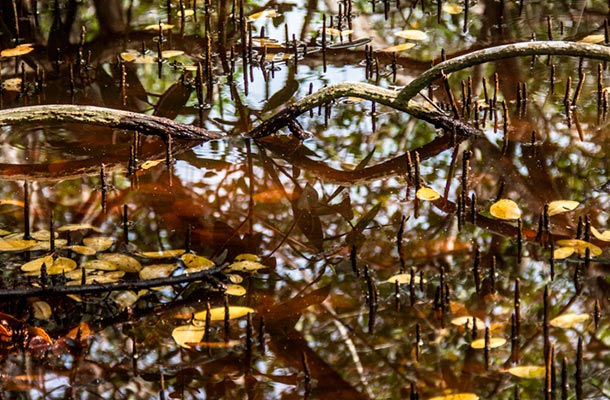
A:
x: 528, y: 371
x: 185, y: 334
x: 125, y: 298
x: 162, y: 254
x: 36, y: 265
x: 270, y: 13
x: 129, y: 56
x: 84, y: 250
x: 61, y: 265
x: 16, y: 244
x: 234, y: 278
x: 78, y: 227
x: 100, y: 265
x: 157, y: 27
x: 196, y: 263
x: 245, y: 266
x: 171, y: 53
x: 427, y: 194
x: 398, y: 48
x: 107, y: 277
x: 603, y: 236
x: 247, y: 257
x: 563, y: 252
x: 151, y: 163
x: 452, y: 8
x: 457, y: 396
x: 493, y: 343
x: 235, y: 290
x: 12, y: 85
x: 569, y: 320
x: 467, y: 319
x: 403, y: 279
x: 3, y: 232
x: 562, y: 206
x: 42, y: 235
x: 41, y: 310
x: 581, y: 247
x: 46, y: 246
x: 123, y: 262
x: 412, y: 34
x: 99, y: 243
x: 593, y: 39
x: 20, y: 50
x: 218, y: 313
x: 17, y: 203
x: 187, y: 13
x: 157, y: 271
x: 505, y: 209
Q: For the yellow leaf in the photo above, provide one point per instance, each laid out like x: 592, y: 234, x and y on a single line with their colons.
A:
x: 562, y: 206
x: 234, y: 278
x: 152, y: 163
x: 428, y: 194
x: 61, y: 265
x: 563, y: 252
x: 171, y: 53
x: 235, y: 290
x: 581, y: 247
x: 108, y: 277
x: 157, y: 271
x: 187, y: 13
x: 528, y: 371
x: 162, y: 254
x: 603, y: 236
x: 461, y: 321
x: 99, y: 265
x: 412, y: 34
x: 218, y: 313
x: 84, y: 250
x: 452, y: 8
x: 155, y: 27
x: 17, y: 203
x: 245, y: 266
x: 12, y: 85
x: 20, y: 50
x: 16, y: 244
x: 36, y: 265
x: 185, y: 334
x: 121, y: 261
x: 505, y: 209
x: 593, y: 39
x: 78, y: 227
x: 493, y: 342
x: 271, y: 13
x: 41, y: 309
x: 98, y: 243
x: 399, y: 47
x: 403, y: 279
x: 569, y: 320
x: 457, y: 396
x: 247, y: 257
x: 129, y: 56
x: 196, y: 263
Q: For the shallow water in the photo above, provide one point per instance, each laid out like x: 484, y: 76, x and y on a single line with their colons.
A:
x: 330, y: 218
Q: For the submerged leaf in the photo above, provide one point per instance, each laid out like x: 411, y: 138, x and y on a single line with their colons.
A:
x: 505, y: 209
x: 41, y: 310
x: 561, y: 206
x: 427, y: 194
x: 528, y: 371
x: 569, y: 320
x: 218, y: 313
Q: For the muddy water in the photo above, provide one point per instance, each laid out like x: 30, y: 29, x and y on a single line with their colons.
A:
x: 309, y: 235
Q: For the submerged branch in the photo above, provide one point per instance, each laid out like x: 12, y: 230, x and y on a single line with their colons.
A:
x: 112, y: 118
x: 210, y: 275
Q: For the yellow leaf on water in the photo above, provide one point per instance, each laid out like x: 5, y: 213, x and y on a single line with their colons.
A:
x: 20, y: 50
x: 78, y: 227
x: 17, y: 203
x: 569, y: 320
x: 98, y: 243
x: 270, y: 13
x: 412, y: 34
x: 603, y: 236
x: 245, y: 266
x: 16, y: 244
x: 155, y: 27
x: 581, y: 247
x: 398, y: 48
x: 195, y: 263
x: 247, y: 257
x: 129, y: 56
x: 528, y: 371
x: 461, y: 321
x: 403, y: 279
x: 122, y: 262
x: 61, y: 265
x: 452, y: 8
x: 12, y: 85
x: 36, y: 265
x: 218, y: 313
x: 187, y: 13
x: 457, y: 396
x: 185, y: 334
x: 562, y: 206
x: 162, y: 254
x: 157, y: 271
x: 152, y: 163
x: 427, y: 194
x: 493, y: 342
x: 99, y: 265
x: 171, y: 53
x: 563, y: 252
x: 505, y: 209
x: 233, y: 289
x: 84, y: 250
x: 593, y: 39
x: 41, y: 310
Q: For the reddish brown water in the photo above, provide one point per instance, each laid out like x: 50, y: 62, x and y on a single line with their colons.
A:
x: 331, y: 218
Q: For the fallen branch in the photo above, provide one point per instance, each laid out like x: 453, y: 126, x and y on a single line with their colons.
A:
x: 210, y: 275
x: 143, y: 123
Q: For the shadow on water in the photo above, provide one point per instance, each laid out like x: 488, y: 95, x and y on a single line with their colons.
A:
x: 371, y: 260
